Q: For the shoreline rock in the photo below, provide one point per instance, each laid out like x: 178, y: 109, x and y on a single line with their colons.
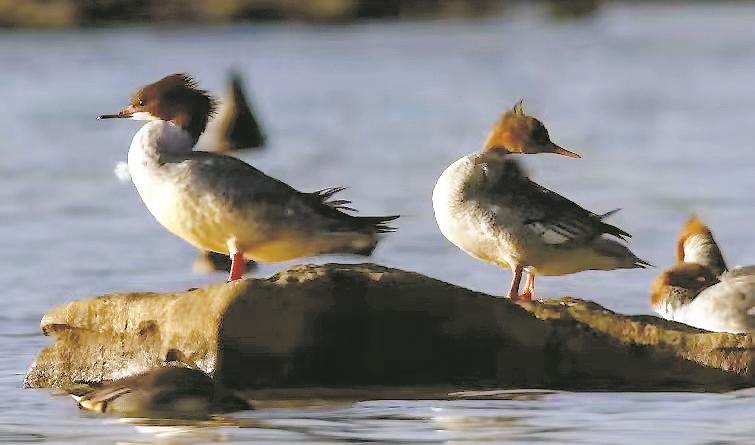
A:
x: 351, y: 326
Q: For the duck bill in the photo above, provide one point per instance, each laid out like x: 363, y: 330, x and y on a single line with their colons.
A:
x: 562, y: 151
x: 125, y: 113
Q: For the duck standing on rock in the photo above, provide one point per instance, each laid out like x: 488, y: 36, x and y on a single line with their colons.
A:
x: 234, y: 127
x: 222, y: 204
x: 700, y: 291
x: 486, y: 206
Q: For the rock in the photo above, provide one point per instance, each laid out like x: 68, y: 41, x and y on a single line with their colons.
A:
x: 119, y: 335
x: 347, y: 326
x: 234, y: 127
x: 208, y: 262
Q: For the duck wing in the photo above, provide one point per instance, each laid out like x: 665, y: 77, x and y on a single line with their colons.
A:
x: 742, y: 281
x: 156, y: 387
x: 728, y: 306
x: 98, y: 399
x: 242, y: 186
x: 554, y: 218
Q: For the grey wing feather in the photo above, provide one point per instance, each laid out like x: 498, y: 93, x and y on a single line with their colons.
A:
x: 736, y: 293
x: 742, y: 279
x: 241, y: 184
x: 553, y: 217
x: 235, y: 180
x: 106, y: 394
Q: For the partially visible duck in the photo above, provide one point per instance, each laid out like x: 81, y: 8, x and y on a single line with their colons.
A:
x: 699, y: 290
x: 235, y: 127
x: 485, y: 205
x: 167, y: 392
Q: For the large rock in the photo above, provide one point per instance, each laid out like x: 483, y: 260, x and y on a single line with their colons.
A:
x: 346, y: 326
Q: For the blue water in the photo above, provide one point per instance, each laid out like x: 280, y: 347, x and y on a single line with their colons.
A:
x: 657, y: 99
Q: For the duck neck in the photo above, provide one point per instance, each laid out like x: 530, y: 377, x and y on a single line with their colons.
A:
x: 192, y: 123
x: 158, y: 140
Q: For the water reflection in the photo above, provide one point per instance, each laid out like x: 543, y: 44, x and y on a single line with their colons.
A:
x: 622, y: 418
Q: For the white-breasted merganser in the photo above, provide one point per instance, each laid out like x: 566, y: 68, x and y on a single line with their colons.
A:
x: 699, y: 290
x: 486, y: 206
x: 222, y: 204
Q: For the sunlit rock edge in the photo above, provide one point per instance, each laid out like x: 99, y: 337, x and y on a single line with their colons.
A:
x: 339, y: 328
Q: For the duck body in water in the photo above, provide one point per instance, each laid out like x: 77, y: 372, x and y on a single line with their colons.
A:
x: 167, y: 392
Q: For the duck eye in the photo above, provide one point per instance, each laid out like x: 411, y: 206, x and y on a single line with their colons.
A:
x: 141, y: 103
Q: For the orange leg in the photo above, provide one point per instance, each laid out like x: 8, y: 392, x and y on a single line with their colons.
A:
x: 529, y: 288
x: 514, y: 291
x: 238, y: 265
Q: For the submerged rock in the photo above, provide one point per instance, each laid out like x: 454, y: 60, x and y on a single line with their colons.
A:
x: 235, y: 127
x: 347, y: 326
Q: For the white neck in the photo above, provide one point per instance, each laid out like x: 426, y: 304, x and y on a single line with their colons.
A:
x: 159, y: 139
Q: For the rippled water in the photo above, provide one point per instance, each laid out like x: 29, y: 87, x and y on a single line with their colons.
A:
x: 658, y: 100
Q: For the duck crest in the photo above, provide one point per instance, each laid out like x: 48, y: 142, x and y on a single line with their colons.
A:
x: 518, y: 108
x: 177, y: 98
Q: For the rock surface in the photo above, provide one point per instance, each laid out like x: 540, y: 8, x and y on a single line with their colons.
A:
x: 349, y: 326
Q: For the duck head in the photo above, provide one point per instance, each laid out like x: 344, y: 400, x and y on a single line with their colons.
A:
x: 517, y: 132
x: 678, y: 286
x: 174, y: 98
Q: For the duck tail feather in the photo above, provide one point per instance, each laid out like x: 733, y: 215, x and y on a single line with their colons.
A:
x: 642, y: 264
x: 608, y: 214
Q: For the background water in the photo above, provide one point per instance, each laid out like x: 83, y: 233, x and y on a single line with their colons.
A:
x: 658, y: 100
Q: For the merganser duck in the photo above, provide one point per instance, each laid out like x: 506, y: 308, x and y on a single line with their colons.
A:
x: 699, y: 290
x: 222, y: 204
x: 177, y: 390
x: 486, y: 206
